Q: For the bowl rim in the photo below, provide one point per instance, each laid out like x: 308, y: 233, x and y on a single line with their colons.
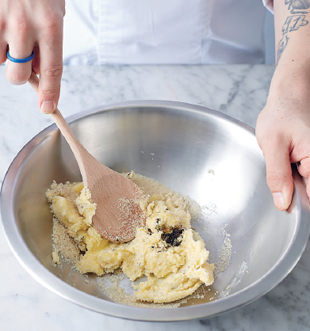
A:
x: 210, y: 309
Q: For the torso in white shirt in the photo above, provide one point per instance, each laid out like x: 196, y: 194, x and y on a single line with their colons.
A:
x: 163, y: 31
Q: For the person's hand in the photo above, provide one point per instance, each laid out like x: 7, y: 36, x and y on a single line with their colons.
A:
x: 283, y: 131
x: 34, y: 25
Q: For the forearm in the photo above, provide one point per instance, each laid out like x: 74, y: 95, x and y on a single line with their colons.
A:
x: 292, y: 32
x: 282, y: 128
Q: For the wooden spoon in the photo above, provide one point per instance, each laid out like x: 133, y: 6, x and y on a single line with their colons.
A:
x: 118, y: 212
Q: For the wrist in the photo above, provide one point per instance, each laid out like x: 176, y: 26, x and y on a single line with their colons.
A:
x: 291, y: 80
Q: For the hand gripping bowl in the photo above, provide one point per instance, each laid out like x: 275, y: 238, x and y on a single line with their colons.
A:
x: 196, y: 151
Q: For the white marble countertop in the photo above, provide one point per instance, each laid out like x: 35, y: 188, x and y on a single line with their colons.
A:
x: 239, y: 91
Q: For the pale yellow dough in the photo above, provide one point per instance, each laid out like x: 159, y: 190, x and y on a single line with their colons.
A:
x: 167, y: 250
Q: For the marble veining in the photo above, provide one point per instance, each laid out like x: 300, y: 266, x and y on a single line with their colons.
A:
x: 239, y: 91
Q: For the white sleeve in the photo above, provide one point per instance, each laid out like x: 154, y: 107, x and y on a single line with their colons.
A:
x: 268, y: 4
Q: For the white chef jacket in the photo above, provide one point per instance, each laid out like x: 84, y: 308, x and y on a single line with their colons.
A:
x: 100, y: 32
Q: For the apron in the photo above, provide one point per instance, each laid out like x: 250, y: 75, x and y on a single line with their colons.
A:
x: 163, y: 32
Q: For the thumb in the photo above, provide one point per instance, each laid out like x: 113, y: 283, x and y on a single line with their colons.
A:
x: 279, y: 172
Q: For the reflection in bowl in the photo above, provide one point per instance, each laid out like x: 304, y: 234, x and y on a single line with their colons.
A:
x: 195, y: 151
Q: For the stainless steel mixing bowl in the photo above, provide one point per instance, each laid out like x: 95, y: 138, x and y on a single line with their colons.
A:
x: 201, y: 153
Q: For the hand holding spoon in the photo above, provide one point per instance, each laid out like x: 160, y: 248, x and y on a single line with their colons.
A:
x: 118, y: 212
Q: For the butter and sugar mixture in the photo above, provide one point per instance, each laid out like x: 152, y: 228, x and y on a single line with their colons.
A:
x: 167, y: 251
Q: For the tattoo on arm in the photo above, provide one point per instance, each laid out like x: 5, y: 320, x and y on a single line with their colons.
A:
x: 298, y: 9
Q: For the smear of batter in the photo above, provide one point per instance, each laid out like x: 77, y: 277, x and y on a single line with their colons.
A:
x: 167, y: 250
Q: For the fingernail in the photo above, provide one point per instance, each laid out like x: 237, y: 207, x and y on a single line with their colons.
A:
x: 278, y: 199
x: 47, y: 107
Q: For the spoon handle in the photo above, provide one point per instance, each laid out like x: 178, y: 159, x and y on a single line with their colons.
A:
x: 77, y: 148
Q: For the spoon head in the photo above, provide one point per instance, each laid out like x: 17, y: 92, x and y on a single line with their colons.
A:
x: 118, y: 212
